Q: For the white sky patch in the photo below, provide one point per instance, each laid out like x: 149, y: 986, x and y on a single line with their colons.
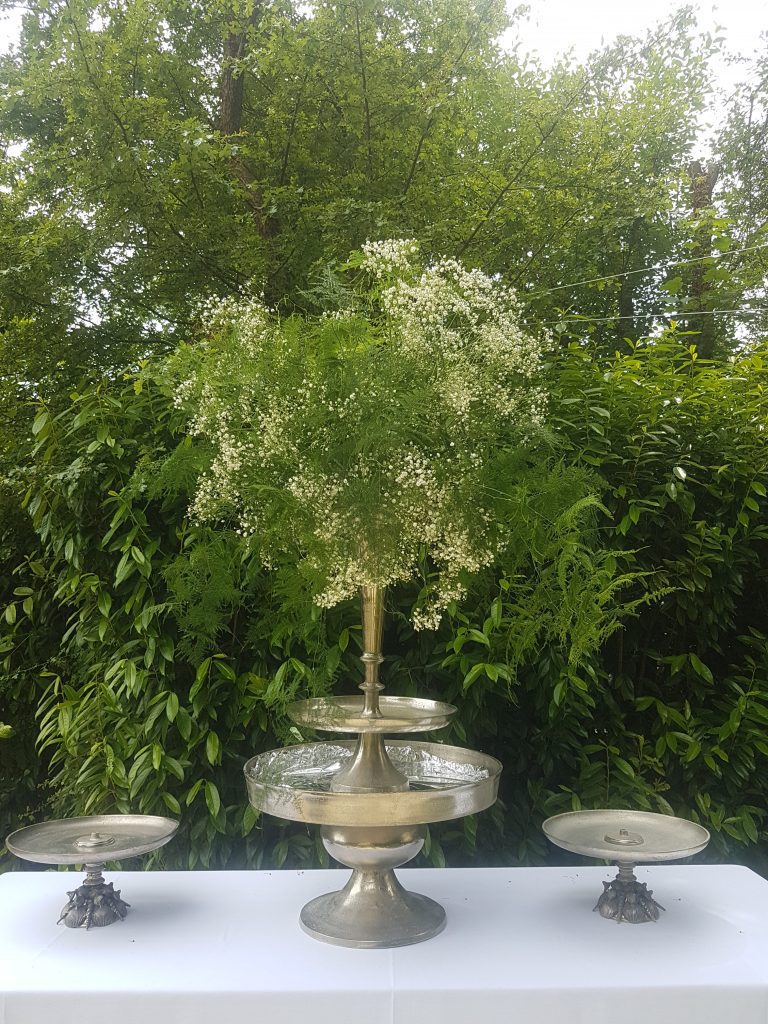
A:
x: 553, y: 27
x: 10, y: 28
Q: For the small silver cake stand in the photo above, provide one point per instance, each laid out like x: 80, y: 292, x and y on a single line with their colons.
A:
x: 626, y: 838
x: 92, y: 841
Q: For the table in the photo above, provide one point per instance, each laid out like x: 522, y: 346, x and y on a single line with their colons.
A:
x: 521, y: 947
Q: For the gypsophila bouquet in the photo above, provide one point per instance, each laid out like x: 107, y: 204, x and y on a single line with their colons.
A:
x: 365, y: 442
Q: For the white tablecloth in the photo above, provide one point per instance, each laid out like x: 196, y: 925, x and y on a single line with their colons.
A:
x: 521, y: 947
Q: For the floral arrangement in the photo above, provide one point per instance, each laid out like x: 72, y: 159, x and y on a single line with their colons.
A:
x: 366, y: 443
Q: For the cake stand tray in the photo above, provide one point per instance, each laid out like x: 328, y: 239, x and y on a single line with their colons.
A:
x: 445, y: 782
x: 396, y: 714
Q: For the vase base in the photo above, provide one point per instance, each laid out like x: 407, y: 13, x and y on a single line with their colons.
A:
x: 372, y: 911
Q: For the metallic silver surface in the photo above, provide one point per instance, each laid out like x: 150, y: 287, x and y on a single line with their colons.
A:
x: 92, y: 841
x: 372, y: 601
x: 661, y: 836
x: 397, y: 714
x: 445, y: 782
x: 624, y: 838
x: 626, y: 899
x: 627, y: 838
x: 372, y: 799
x: 64, y: 841
x: 370, y: 768
x: 372, y: 911
x: 94, y: 904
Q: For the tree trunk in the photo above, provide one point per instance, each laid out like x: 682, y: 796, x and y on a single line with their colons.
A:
x: 703, y: 180
x: 232, y: 84
x: 231, y: 91
x: 628, y: 326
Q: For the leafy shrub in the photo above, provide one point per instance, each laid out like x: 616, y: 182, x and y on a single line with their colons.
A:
x: 670, y: 714
x: 682, y: 692
x: 171, y: 655
x: 23, y: 655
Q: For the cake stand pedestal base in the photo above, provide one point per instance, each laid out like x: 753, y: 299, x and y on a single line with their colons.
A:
x: 372, y: 911
x: 94, y: 904
x: 626, y: 899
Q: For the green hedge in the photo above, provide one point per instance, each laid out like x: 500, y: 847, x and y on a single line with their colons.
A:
x: 159, y: 656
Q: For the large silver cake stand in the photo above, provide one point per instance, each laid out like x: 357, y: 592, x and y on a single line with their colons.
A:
x: 92, y: 841
x: 373, y: 832
x: 372, y: 798
x: 627, y: 838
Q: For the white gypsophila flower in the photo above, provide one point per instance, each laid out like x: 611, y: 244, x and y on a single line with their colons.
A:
x: 389, y: 256
x: 359, y: 453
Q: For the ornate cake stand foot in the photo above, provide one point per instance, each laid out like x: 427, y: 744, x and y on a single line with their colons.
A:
x: 94, y: 904
x: 373, y: 911
x: 626, y: 899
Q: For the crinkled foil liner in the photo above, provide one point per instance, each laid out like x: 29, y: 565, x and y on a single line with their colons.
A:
x: 312, y: 767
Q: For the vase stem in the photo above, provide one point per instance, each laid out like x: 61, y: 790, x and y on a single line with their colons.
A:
x: 370, y: 770
x: 372, y: 599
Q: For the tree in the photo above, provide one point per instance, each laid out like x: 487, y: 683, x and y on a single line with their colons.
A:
x: 742, y: 201
x: 182, y: 149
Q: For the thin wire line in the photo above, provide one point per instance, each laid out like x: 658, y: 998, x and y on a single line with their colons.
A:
x: 645, y: 270
x: 656, y: 316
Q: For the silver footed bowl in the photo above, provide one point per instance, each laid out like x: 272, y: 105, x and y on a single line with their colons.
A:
x: 629, y: 837
x: 396, y: 714
x: 94, y: 839
x: 444, y: 783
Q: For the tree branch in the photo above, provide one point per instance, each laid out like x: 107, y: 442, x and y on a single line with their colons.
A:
x: 292, y: 129
x: 366, y: 108
x: 516, y: 177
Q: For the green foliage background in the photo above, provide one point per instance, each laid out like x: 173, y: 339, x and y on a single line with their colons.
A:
x: 172, y: 654
x: 144, y: 659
